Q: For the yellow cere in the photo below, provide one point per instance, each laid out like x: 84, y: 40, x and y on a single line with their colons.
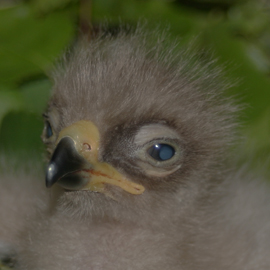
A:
x: 82, y: 132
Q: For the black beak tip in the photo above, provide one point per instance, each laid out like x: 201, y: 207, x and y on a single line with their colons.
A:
x: 64, y: 162
x: 48, y: 183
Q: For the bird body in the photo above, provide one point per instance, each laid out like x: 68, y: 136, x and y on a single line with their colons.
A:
x: 137, y: 142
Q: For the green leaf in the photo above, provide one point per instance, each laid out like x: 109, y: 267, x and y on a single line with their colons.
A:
x: 20, y: 133
x: 49, y: 5
x: 9, y: 101
x: 29, y: 44
x: 253, y: 86
x: 35, y: 95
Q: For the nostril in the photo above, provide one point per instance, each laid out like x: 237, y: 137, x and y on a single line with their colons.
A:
x: 86, y: 147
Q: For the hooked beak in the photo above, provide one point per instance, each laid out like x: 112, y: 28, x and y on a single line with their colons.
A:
x: 75, y: 166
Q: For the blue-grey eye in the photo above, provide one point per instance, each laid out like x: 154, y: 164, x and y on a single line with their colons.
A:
x: 161, y: 152
x: 48, y: 131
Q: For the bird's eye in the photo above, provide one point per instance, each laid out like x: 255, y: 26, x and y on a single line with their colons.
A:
x: 48, y: 130
x: 161, y: 152
x: 159, y: 149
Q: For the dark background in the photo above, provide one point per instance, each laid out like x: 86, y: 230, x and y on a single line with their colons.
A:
x: 33, y: 34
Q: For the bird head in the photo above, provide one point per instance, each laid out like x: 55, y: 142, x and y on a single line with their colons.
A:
x: 131, y: 125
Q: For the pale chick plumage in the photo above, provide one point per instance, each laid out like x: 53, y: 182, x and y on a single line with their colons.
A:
x: 150, y: 132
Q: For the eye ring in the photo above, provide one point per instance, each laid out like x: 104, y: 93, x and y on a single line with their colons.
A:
x: 159, y: 149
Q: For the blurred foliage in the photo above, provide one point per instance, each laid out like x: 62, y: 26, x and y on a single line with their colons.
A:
x: 3, y: 267
x: 34, y: 33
